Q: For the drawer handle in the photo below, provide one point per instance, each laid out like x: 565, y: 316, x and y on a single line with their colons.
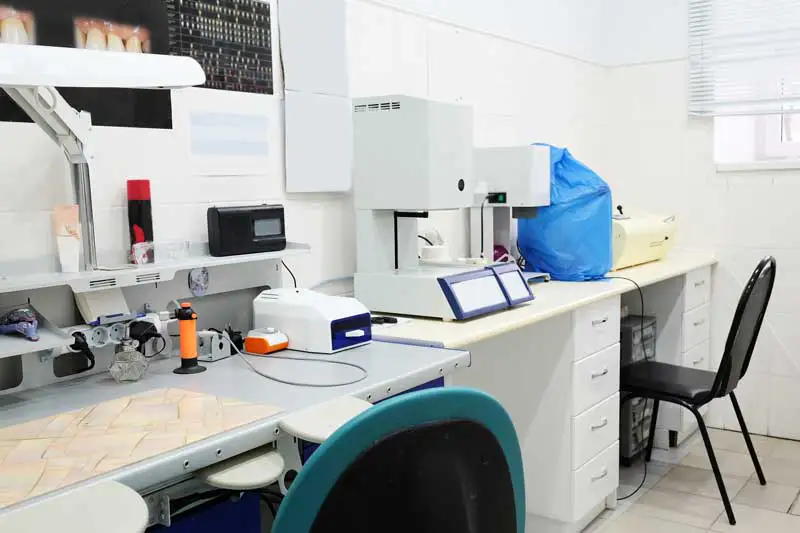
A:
x: 699, y: 283
x: 698, y: 361
x: 601, y: 425
x: 601, y: 475
x: 600, y: 322
x: 699, y: 322
x: 600, y: 374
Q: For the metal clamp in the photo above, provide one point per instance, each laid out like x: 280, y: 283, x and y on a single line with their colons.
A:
x: 600, y: 476
x: 596, y: 323
x: 600, y: 374
x: 601, y: 425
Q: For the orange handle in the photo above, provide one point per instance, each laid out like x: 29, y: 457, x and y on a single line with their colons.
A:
x: 188, y: 332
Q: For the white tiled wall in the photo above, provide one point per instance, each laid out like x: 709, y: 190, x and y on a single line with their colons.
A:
x: 657, y: 158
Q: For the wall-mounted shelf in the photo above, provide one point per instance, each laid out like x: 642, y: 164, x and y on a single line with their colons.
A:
x: 50, y: 338
x: 130, y: 277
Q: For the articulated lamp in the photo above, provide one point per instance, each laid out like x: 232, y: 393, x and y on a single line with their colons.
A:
x: 29, y: 74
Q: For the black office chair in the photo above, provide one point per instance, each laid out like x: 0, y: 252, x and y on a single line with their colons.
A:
x: 693, y: 388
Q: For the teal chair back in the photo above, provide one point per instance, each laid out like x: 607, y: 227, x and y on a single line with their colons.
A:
x: 442, y: 460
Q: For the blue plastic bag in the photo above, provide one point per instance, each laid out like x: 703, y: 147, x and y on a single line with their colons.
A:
x: 571, y: 238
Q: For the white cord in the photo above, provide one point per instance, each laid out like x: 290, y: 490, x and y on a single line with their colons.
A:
x: 363, y: 370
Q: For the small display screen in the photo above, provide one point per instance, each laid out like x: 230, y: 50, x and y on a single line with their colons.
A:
x: 267, y: 227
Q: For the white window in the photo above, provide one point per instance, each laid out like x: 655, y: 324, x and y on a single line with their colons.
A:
x: 744, y: 58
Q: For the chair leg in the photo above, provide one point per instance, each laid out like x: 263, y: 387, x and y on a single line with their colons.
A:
x: 651, y: 438
x: 714, y: 466
x: 748, y: 440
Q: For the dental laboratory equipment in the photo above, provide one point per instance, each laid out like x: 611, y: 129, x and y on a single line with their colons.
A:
x: 30, y: 75
x: 413, y: 156
x: 246, y: 229
x: 264, y: 341
x: 213, y: 346
x: 641, y: 238
x: 312, y: 321
x: 511, y: 182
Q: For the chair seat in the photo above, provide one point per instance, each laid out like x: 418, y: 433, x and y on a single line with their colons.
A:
x: 664, y: 379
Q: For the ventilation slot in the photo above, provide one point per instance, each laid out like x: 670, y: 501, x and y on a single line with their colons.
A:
x: 103, y: 283
x: 383, y: 106
x: 148, y: 278
x: 360, y: 108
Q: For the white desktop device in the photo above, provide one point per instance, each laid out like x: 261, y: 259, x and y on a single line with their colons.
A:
x: 511, y: 182
x: 413, y: 156
x: 639, y: 239
x: 314, y: 322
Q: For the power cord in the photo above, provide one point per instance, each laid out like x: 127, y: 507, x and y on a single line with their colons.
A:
x: 81, y: 345
x: 142, y: 331
x: 644, y: 407
x: 289, y: 270
x: 424, y: 238
x: 363, y: 370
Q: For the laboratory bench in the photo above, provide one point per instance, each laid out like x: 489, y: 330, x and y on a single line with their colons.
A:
x: 554, y: 365
x: 246, y: 411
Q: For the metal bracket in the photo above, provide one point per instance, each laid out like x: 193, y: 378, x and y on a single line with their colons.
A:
x: 287, y: 447
x: 158, y: 509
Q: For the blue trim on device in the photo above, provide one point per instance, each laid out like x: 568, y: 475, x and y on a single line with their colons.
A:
x: 505, y: 269
x: 342, y: 327
x: 446, y: 283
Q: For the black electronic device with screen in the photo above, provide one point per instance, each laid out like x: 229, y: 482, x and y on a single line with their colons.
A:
x: 246, y: 229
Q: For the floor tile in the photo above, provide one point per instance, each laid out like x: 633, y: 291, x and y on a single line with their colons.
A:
x: 735, y: 464
x: 795, y: 510
x: 679, y: 507
x: 634, y: 523
x: 752, y: 520
x: 781, y: 471
x: 699, y: 481
x: 630, y: 477
x: 733, y: 441
x: 788, y: 450
x: 773, y: 497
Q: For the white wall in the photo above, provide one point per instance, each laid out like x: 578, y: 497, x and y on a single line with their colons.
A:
x: 657, y: 158
x: 520, y: 92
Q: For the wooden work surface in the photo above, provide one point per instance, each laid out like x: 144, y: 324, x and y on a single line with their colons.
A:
x: 52, y: 452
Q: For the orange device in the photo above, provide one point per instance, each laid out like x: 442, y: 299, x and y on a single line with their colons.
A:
x: 263, y: 341
x: 187, y: 323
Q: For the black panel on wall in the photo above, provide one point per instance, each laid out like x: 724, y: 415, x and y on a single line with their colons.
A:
x: 231, y: 39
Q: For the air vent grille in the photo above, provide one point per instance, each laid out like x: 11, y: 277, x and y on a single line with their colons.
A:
x: 148, y: 278
x: 382, y: 106
x: 102, y: 283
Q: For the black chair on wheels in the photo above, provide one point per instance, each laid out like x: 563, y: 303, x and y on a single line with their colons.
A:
x: 692, y: 389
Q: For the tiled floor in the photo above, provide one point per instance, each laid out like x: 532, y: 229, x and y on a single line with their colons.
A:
x: 681, y: 496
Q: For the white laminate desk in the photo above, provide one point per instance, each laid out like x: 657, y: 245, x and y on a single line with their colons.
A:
x: 392, y: 369
x: 554, y: 365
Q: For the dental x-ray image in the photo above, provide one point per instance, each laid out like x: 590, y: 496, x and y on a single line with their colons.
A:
x: 122, y: 26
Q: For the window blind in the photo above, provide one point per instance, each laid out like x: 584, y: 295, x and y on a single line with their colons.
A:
x: 744, y: 57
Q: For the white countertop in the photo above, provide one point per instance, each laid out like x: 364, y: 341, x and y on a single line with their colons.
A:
x: 552, y: 298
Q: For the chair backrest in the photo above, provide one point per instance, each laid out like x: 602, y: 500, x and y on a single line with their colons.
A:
x: 745, y: 327
x: 442, y: 460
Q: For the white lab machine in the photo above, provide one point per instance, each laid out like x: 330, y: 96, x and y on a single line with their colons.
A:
x: 413, y: 156
x: 314, y: 322
x: 639, y: 239
x: 511, y: 182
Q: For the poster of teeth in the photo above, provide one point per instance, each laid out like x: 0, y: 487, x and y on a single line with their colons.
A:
x: 231, y: 39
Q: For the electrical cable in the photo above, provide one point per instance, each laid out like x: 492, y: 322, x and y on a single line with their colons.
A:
x: 644, y: 408
x: 163, y: 347
x: 242, y: 354
x: 424, y: 238
x: 483, y: 204
x: 289, y: 270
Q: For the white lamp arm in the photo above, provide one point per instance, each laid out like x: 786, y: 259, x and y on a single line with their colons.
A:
x: 65, y: 125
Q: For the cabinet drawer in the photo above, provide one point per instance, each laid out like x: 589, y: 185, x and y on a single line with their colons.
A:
x: 594, y: 379
x: 696, y: 327
x: 595, y: 480
x: 596, y: 326
x: 699, y: 357
x: 697, y: 290
x: 594, y: 430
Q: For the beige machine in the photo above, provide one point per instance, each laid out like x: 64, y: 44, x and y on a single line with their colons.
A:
x: 640, y: 239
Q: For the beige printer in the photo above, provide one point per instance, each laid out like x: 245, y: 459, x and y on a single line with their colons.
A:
x: 641, y: 238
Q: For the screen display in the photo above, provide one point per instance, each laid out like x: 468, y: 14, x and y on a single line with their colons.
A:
x: 267, y: 227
